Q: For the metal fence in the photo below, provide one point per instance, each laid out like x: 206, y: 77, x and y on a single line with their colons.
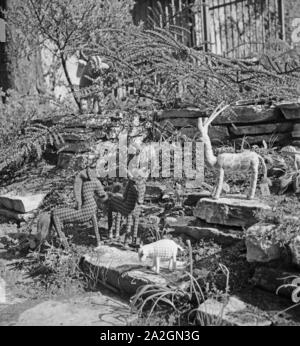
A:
x: 238, y: 28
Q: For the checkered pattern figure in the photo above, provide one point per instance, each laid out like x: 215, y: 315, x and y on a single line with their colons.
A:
x: 86, y: 205
x: 128, y: 205
x: 165, y: 249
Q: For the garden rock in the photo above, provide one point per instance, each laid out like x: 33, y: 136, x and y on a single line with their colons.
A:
x: 154, y: 191
x: 121, y: 270
x: 21, y: 204
x: 259, y: 248
x: 229, y: 211
x: 198, y: 230
x: 232, y: 313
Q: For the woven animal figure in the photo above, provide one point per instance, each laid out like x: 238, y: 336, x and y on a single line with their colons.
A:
x: 165, y: 249
x: 129, y: 205
x: 86, y: 208
x: 245, y: 161
x: 90, y: 70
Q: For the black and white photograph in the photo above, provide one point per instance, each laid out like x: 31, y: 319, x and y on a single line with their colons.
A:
x: 149, y: 166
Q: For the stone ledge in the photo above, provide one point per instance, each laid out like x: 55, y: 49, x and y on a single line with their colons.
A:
x: 230, y: 211
x: 122, y: 270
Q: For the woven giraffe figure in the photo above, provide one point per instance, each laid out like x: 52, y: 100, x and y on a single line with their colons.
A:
x: 247, y: 160
x: 85, y: 187
x: 165, y: 249
x: 129, y: 205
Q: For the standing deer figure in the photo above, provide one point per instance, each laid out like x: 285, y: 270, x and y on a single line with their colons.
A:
x: 247, y: 160
x: 90, y: 70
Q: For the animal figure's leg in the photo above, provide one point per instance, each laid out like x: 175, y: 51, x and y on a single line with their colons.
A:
x: 58, y: 226
x: 174, y: 260
x: 253, y: 183
x: 171, y: 263
x: 118, y: 224
x: 157, y: 264
x: 110, y: 222
x: 96, y: 229
x: 128, y: 228
x: 136, y: 220
x: 220, y: 184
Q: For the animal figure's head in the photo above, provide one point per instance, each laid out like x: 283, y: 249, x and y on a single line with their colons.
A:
x: 90, y: 66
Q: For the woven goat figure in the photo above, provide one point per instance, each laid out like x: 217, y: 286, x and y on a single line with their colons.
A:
x: 165, y: 249
x: 85, y: 187
x: 128, y: 205
x: 247, y: 160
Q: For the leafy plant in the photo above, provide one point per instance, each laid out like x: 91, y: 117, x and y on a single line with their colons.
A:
x: 31, y: 145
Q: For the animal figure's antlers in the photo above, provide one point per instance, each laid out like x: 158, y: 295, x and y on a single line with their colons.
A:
x: 220, y: 109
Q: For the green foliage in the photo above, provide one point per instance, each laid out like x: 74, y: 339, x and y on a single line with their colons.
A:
x: 30, y: 145
x: 284, y: 214
x: 55, y: 270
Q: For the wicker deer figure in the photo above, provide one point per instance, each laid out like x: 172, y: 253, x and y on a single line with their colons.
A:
x: 247, y: 160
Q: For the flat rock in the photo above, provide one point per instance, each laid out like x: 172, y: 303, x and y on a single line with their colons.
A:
x: 232, y: 313
x: 122, y: 270
x: 291, y: 110
x: 191, y: 227
x: 229, y: 211
x: 192, y: 198
x: 259, y: 129
x: 250, y: 114
x: 154, y: 191
x: 97, y: 310
x: 181, y: 113
x: 259, y: 248
x: 21, y: 204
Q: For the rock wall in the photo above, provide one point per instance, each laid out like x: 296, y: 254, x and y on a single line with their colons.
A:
x: 279, y: 124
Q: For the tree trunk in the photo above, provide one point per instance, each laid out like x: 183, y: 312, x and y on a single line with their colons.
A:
x: 23, y: 74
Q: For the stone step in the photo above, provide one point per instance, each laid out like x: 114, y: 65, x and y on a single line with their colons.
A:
x: 21, y: 204
x: 121, y: 270
x: 199, y: 230
x: 232, y: 210
x: 259, y: 129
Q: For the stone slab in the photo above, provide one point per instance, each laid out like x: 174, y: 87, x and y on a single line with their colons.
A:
x: 9, y: 214
x: 198, y: 230
x: 232, y: 313
x: 181, y: 113
x: 230, y: 211
x: 259, y: 129
x: 290, y: 110
x: 122, y: 270
x: 21, y: 204
x: 250, y: 114
x: 96, y: 310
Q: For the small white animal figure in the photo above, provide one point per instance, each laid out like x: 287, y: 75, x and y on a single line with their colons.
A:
x: 165, y: 249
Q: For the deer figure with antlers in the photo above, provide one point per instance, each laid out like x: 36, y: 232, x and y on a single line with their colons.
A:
x: 247, y: 160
